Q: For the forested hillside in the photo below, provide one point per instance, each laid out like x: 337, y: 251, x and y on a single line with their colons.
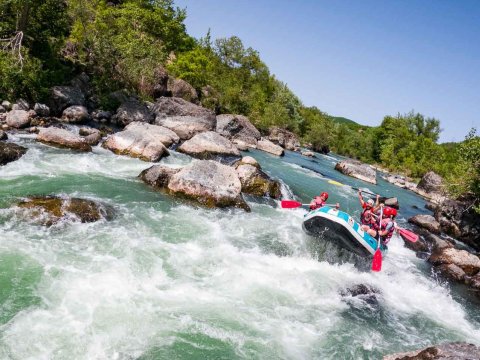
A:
x: 130, y: 44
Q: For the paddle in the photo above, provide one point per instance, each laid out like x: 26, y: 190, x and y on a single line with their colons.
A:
x: 333, y: 182
x: 292, y: 204
x: 377, y: 257
x: 408, y: 235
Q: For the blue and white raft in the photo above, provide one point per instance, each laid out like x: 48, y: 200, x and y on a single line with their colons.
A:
x: 340, y: 228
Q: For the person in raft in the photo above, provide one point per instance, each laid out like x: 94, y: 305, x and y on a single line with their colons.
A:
x: 319, y: 201
x: 367, y: 217
x: 386, y: 227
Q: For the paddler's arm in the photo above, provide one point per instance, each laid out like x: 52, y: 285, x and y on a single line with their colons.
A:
x: 360, y: 197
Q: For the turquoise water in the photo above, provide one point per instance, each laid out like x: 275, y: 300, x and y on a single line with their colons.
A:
x: 166, y: 279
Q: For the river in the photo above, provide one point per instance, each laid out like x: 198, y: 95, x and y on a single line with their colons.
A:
x: 169, y: 280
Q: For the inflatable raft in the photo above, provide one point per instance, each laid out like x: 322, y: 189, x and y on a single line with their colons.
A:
x: 340, y: 228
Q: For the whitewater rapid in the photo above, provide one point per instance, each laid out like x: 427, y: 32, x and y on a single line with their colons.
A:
x: 166, y: 279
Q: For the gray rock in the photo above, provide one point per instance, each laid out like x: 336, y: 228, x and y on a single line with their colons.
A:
x: 2, y: 109
x: 186, y: 126
x: 81, y: 82
x: 391, y: 202
x: 427, y: 222
x: 255, y: 182
x: 62, y: 97
x: 41, y: 109
x: 241, y: 145
x: 130, y: 111
x: 21, y: 104
x: 248, y: 160
x: 237, y: 127
x: 91, y: 135
x: 446, y: 351
x: 75, y: 114
x: 468, y: 262
x: 7, y: 105
x: 308, y: 153
x: 357, y: 170
x: 160, y: 87
x: 181, y: 89
x: 431, y: 182
x: 10, y: 152
x: 284, y: 138
x: 63, y: 138
x: 437, y: 242
x: 158, y: 175
x: 99, y: 115
x: 209, y: 145
x: 144, y: 141
x: 452, y: 271
x: 268, y: 146
x: 18, y: 119
x: 3, y: 135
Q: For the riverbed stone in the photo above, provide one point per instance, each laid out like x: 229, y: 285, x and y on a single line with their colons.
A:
x: 267, y: 146
x: 132, y: 110
x: 158, y: 175
x: 446, y: 351
x: 63, y: 138
x: 255, y: 182
x: 308, y: 153
x: 18, y: 119
x: 10, y: 152
x: 427, y: 222
x: 75, y: 114
x: 141, y: 140
x: 209, y: 145
x: 468, y: 262
x: 91, y: 135
x: 49, y: 210
x: 357, y: 170
x: 238, y: 127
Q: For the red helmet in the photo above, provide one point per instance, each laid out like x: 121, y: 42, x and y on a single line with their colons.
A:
x: 325, y: 195
x: 388, y: 211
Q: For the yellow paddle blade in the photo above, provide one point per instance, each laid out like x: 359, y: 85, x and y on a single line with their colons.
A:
x: 335, y: 182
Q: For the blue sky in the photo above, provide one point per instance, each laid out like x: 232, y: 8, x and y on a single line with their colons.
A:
x: 362, y: 59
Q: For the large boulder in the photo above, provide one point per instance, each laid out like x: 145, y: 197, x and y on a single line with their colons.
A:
x: 284, y: 138
x: 160, y: 87
x: 62, y: 97
x: 21, y: 104
x: 237, y: 127
x: 468, y: 262
x: 158, y: 176
x: 210, y: 183
x: 268, y: 146
x: 447, y: 351
x: 210, y: 145
x: 75, y: 114
x: 91, y: 135
x: 357, y: 170
x: 391, y: 202
x: 431, y: 182
x: 427, y: 222
x: 181, y: 89
x: 41, y: 109
x: 141, y: 140
x: 132, y: 110
x: 62, y: 138
x: 49, y: 210
x: 256, y: 182
x: 458, y: 219
x: 10, y: 152
x: 18, y: 118
x: 248, y: 160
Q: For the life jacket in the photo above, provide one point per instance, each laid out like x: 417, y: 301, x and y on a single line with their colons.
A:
x: 366, y: 217
x: 389, y: 225
x: 317, y: 203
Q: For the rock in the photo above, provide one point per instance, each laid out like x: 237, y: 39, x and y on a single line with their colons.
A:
x: 452, y: 271
x: 210, y: 183
x: 7, y: 105
x: 239, y: 128
x: 3, y: 135
x: 427, y: 222
x: 62, y: 97
x: 437, y: 242
x: 268, y: 146
x: 75, y: 114
x: 256, y: 182
x: 49, y: 210
x: 241, y: 145
x: 119, y: 97
x: 391, y: 202
x: 160, y: 87
x: 248, y: 160
x: 99, y: 115
x: 21, y: 104
x: 91, y: 135
x: 10, y: 152
x: 185, y: 126
x: 81, y: 82
x: 158, y: 175
x: 18, y: 118
x: 284, y: 138
x: 474, y: 282
x: 446, y: 351
x: 41, y: 109
x: 419, y: 246
x: 468, y: 262
x: 364, y: 292
x: 397, y: 180
x: 308, y: 153
x: 181, y: 89
x: 357, y: 170
x: 210, y: 145
x: 431, y: 182
x: 458, y: 219
x: 62, y: 138
x: 2, y: 110
x: 141, y: 140
x: 130, y: 111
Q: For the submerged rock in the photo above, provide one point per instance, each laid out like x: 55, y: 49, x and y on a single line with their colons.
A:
x: 10, y: 152
x: 62, y: 138
x: 49, y: 210
x: 268, y: 146
x: 144, y: 141
x: 427, y: 222
x: 208, y: 182
x: 256, y: 182
x: 209, y: 145
x: 363, y: 292
x: 357, y: 170
x: 447, y: 351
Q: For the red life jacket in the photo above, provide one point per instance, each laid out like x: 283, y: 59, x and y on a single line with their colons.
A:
x: 389, y: 225
x: 365, y: 219
x: 317, y: 203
